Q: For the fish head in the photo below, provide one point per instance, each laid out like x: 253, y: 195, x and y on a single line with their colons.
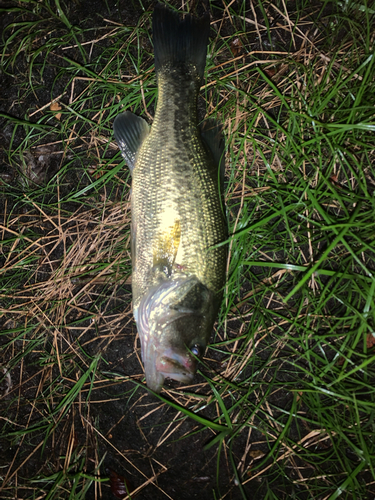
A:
x: 174, y: 321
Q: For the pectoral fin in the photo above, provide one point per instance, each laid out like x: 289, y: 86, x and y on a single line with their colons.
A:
x: 166, y: 248
x: 130, y: 131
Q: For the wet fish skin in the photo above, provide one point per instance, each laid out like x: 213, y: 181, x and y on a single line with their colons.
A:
x: 177, y: 213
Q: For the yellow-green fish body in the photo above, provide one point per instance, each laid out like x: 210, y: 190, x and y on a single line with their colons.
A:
x: 177, y: 214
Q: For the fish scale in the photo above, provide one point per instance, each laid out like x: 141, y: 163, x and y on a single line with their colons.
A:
x: 177, y: 211
x: 177, y: 172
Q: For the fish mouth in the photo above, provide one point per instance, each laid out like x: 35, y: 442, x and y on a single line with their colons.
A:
x: 172, y: 364
x: 154, y: 379
x: 176, y: 366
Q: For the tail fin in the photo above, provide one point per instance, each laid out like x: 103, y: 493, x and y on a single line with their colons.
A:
x: 180, y: 42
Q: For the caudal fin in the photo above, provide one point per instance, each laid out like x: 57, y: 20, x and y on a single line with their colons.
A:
x: 180, y: 42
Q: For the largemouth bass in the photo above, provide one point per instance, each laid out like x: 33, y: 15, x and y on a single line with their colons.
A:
x: 177, y: 215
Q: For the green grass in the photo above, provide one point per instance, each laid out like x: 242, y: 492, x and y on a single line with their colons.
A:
x: 284, y: 401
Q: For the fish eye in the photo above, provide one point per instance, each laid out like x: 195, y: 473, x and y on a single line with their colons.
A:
x: 196, y: 350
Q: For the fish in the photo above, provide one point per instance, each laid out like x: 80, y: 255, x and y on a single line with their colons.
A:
x: 178, y: 221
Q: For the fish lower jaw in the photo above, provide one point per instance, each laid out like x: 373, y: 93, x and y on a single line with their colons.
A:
x: 155, y: 381
x: 184, y: 378
x: 161, y: 367
x: 179, y: 368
